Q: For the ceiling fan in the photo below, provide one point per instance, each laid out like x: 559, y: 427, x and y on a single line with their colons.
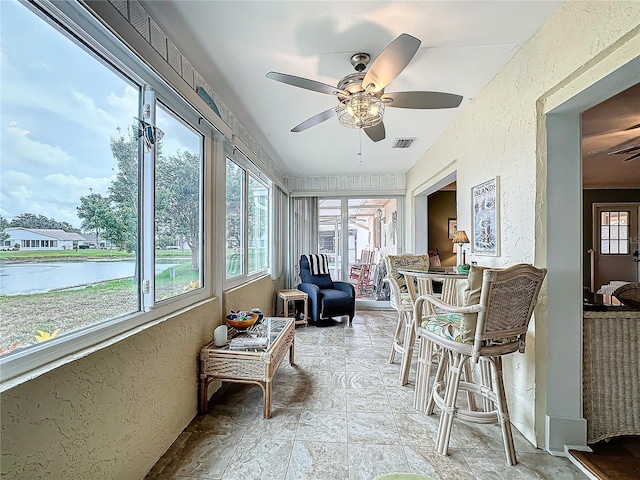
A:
x: 628, y: 147
x: 361, y: 95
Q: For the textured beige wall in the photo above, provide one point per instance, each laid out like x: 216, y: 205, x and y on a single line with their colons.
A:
x: 256, y: 294
x: 497, y: 135
x: 111, y: 414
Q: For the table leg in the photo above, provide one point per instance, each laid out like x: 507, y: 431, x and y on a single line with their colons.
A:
x: 292, y: 360
x: 266, y: 405
x: 306, y: 311
x: 286, y: 308
x: 275, y: 304
x: 203, y: 395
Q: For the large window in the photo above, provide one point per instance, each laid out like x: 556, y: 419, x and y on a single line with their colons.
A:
x: 247, y: 222
x: 235, y: 181
x: 258, y: 225
x: 178, y: 206
x: 101, y: 189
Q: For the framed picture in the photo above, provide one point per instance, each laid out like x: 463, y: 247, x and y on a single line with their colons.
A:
x: 485, y: 216
x: 453, y: 228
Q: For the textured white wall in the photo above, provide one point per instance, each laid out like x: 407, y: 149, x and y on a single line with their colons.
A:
x: 111, y: 414
x: 498, y: 135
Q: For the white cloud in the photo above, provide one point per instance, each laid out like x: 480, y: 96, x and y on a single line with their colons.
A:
x: 74, y: 187
x: 13, y: 177
x: 24, y: 149
x: 16, y: 193
x: 94, y: 116
x: 75, y: 106
x: 124, y: 102
x: 54, y: 196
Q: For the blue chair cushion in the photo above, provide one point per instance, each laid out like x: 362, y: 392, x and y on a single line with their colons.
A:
x: 335, y: 295
x: 322, y: 281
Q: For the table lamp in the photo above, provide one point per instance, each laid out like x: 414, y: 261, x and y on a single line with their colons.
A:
x: 461, y: 238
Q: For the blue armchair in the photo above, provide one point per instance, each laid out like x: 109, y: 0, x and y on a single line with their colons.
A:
x: 326, y: 298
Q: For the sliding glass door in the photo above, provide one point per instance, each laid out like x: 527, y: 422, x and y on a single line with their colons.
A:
x: 330, y: 233
x: 371, y: 233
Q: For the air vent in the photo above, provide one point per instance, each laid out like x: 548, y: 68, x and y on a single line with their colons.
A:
x: 403, y: 142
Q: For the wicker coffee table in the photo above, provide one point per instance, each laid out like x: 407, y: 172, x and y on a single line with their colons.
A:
x: 248, y: 366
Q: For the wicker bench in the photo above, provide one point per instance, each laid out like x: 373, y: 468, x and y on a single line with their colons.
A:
x: 611, y: 373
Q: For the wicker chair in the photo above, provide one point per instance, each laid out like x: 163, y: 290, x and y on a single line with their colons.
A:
x: 400, y: 300
x: 506, y: 302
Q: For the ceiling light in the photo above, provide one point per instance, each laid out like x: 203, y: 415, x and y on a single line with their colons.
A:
x: 360, y: 110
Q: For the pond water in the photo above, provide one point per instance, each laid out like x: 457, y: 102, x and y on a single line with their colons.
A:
x: 42, y: 277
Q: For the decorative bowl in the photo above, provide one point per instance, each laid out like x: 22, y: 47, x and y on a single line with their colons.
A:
x: 242, y: 323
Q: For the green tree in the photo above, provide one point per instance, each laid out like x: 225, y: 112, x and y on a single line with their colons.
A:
x: 123, y: 193
x: 4, y: 224
x: 117, y: 228
x: 178, y: 200
x: 234, y: 184
x: 95, y: 212
x: 31, y: 220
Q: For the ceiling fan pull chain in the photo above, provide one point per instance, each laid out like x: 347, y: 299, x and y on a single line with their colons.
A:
x: 360, y: 146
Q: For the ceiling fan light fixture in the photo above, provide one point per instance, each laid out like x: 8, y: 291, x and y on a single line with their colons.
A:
x: 360, y: 110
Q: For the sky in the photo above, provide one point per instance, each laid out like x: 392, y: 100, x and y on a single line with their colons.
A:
x: 59, y: 107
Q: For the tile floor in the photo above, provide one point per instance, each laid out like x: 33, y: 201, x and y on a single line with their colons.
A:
x: 341, y: 414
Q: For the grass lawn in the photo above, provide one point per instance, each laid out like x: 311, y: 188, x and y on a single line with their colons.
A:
x: 23, y: 315
x: 88, y: 254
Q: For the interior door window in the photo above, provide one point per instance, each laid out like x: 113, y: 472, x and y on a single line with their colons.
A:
x: 614, y: 232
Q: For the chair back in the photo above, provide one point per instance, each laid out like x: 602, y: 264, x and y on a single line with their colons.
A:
x: 409, y: 261
x: 508, y: 297
x: 322, y: 281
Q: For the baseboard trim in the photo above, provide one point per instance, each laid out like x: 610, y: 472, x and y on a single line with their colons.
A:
x: 562, y: 431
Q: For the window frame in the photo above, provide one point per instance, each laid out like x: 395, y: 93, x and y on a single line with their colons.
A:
x: 619, y: 241
x: 75, y: 21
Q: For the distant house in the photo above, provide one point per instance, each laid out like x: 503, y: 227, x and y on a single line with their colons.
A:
x: 90, y: 240
x: 42, y: 239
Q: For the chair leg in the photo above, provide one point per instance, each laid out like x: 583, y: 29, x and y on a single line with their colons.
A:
x: 449, y: 409
x: 503, y: 412
x: 396, y: 337
x: 485, y: 371
x: 471, y: 399
x: 423, y: 374
x: 409, y: 341
x: 438, y: 379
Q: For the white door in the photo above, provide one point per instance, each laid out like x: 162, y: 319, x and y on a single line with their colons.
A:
x: 615, y: 242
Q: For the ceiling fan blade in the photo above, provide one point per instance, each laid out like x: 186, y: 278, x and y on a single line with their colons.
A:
x: 391, y: 62
x: 303, y: 83
x: 632, y: 157
x: 421, y: 100
x: 620, y: 148
x: 315, y: 120
x: 376, y: 133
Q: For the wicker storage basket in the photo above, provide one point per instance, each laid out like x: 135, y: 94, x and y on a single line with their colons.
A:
x: 611, y: 373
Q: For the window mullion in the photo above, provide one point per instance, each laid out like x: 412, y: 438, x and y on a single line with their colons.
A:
x: 245, y: 222
x: 148, y: 203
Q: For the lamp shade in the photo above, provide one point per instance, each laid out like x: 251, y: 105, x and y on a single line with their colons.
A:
x: 460, y: 237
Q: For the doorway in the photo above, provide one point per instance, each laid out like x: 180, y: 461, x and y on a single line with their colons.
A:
x: 559, y: 343
x: 371, y: 233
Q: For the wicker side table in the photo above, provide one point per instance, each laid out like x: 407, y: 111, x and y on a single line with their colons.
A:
x: 290, y: 296
x: 248, y: 366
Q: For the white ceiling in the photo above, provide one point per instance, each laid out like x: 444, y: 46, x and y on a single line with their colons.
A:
x: 233, y: 44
